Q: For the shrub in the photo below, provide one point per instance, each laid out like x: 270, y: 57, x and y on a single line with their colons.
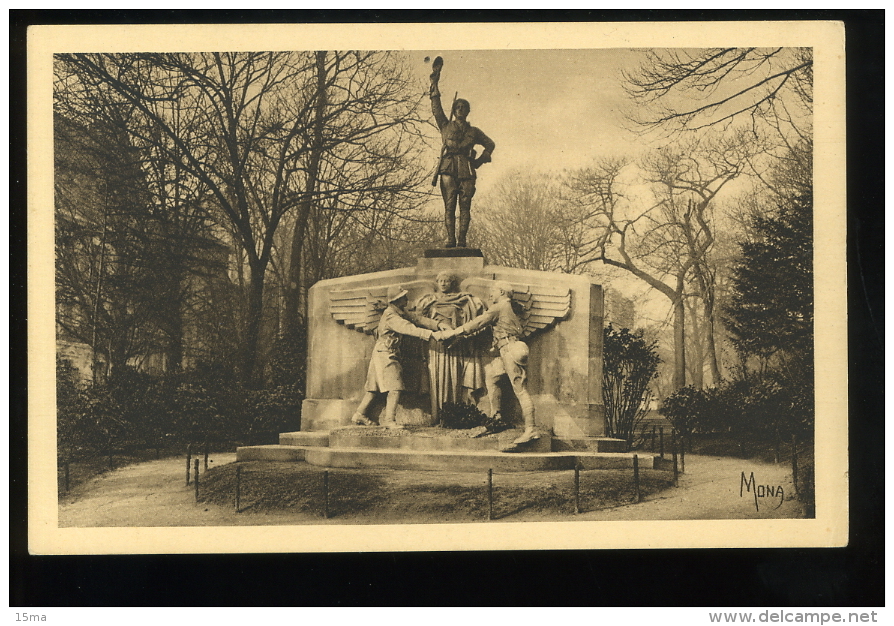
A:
x: 275, y: 410
x: 685, y: 409
x: 630, y: 364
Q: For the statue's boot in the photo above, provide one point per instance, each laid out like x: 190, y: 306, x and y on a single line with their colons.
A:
x: 465, y: 219
x: 451, y: 232
x: 360, y: 420
x: 531, y: 433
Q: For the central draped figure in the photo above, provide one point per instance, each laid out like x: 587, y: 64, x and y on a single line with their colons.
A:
x: 455, y: 369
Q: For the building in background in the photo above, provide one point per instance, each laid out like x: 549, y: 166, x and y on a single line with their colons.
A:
x: 619, y: 310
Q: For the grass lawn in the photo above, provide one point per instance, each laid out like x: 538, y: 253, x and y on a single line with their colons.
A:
x: 422, y: 496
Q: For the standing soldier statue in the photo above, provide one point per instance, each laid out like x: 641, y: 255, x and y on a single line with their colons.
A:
x: 457, y: 165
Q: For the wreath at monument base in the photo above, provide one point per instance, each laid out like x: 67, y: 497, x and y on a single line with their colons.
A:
x: 462, y: 416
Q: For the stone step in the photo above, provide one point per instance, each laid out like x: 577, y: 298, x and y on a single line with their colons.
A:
x: 305, y: 438
x: 431, y: 439
x: 270, y: 453
x: 589, y: 444
x: 442, y: 460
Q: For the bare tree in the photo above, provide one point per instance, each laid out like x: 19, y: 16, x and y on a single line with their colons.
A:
x: 523, y: 223
x: 693, y: 173
x: 616, y: 229
x: 232, y: 105
x: 257, y: 131
x: 666, y: 243
x: 102, y: 277
x: 756, y: 87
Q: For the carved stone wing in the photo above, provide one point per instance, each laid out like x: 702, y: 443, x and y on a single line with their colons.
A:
x: 538, y: 306
x: 359, y: 309
x: 541, y: 306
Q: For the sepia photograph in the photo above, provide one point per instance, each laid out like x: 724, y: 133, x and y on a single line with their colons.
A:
x: 437, y: 287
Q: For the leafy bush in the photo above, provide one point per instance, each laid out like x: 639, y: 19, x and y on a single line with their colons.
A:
x: 630, y: 364
x: 275, y: 410
x: 767, y: 408
x: 134, y: 409
x: 88, y: 423
x: 289, y: 360
x: 685, y: 409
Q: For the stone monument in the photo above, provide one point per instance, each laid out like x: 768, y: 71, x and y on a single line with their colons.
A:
x: 561, y: 317
x: 563, y: 326
x: 558, y: 317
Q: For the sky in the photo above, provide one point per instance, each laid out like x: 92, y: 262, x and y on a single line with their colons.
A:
x: 544, y: 109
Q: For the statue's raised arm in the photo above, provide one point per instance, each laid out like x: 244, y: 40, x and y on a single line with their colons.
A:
x: 434, y: 94
x: 458, y: 163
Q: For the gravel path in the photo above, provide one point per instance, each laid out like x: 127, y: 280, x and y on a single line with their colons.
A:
x: 153, y: 494
x: 710, y: 489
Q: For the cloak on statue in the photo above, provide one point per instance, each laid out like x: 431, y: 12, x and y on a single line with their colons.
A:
x: 455, y: 368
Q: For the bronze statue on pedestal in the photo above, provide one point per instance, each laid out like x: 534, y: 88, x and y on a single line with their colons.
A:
x: 458, y: 163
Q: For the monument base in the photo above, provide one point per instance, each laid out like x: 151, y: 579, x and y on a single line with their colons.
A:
x: 427, y: 448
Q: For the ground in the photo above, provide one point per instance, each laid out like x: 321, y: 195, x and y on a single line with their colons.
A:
x: 154, y: 493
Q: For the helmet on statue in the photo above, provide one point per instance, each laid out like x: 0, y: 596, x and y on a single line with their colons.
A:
x: 396, y: 292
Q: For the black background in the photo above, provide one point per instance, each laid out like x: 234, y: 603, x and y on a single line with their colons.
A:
x: 852, y: 576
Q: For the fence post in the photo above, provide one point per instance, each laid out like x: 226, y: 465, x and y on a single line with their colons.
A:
x: 676, y: 471
x: 157, y: 452
x: 111, y: 463
x: 795, y: 464
x: 67, y: 475
x: 576, y: 486
x: 682, y: 454
x: 238, y: 485
x: 196, y: 479
x: 188, y: 462
x: 326, y: 494
x: 490, y: 494
x: 206, y: 455
x: 636, y: 493
x: 652, y: 443
x: 661, y: 441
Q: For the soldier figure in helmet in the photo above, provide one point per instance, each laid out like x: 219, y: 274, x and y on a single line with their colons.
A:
x: 458, y: 163
x: 385, y: 370
x: 509, y: 356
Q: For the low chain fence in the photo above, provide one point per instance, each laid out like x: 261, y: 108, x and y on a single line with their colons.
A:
x: 431, y: 494
x: 78, y: 465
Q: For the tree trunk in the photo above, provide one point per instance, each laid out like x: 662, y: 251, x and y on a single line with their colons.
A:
x: 97, y: 300
x: 679, y: 337
x: 295, y: 284
x: 695, y: 349
x: 713, y: 362
x: 175, y: 341
x: 253, y: 327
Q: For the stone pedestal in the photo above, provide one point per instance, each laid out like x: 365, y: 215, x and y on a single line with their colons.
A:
x: 565, y: 366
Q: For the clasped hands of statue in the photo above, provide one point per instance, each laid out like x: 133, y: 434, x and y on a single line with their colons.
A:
x: 446, y: 332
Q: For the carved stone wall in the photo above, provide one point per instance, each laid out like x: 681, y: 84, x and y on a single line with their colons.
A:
x: 565, y: 368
